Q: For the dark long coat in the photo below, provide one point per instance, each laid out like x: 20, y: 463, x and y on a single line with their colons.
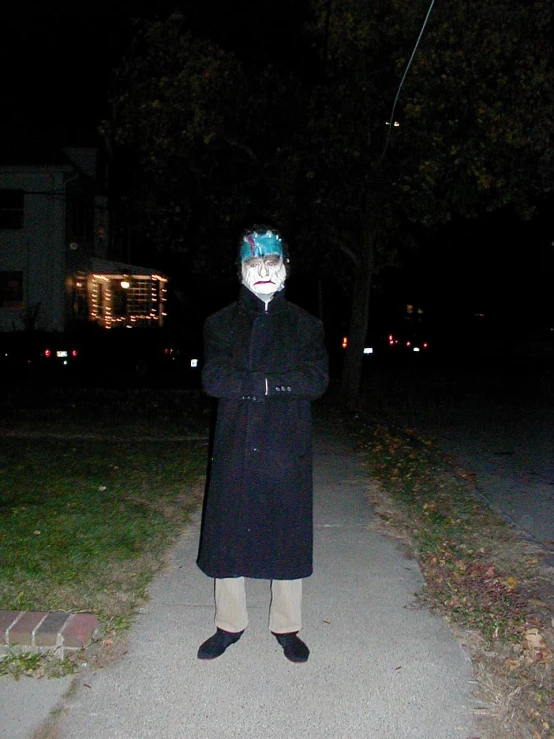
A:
x: 257, y: 518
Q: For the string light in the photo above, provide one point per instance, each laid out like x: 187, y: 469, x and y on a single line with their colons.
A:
x: 150, y: 302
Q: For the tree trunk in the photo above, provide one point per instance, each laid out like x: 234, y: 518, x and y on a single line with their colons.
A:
x: 353, y: 361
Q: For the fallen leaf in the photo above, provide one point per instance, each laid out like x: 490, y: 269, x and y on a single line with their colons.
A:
x: 534, y: 640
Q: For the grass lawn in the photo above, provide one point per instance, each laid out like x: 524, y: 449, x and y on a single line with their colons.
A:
x: 84, y: 523
x: 111, y: 413
x: 86, y: 519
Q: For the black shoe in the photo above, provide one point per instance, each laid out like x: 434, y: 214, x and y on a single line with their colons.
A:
x: 218, y: 643
x: 293, y: 647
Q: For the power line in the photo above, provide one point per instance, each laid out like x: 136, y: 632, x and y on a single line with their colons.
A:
x: 391, y: 121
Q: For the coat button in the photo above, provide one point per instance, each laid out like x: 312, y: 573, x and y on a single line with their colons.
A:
x: 253, y: 397
x: 288, y: 390
x: 277, y: 389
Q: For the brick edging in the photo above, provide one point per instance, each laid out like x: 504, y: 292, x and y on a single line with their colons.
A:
x: 56, y: 632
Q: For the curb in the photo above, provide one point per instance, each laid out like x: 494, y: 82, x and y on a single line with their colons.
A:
x: 55, y: 632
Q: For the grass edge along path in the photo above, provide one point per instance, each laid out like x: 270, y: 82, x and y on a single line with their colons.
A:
x: 85, y: 527
x: 483, y: 577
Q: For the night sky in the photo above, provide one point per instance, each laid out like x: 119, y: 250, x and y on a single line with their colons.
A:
x: 57, y: 58
x: 56, y: 62
x: 56, y: 69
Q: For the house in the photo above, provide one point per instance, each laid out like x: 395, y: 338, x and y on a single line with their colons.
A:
x: 54, y: 247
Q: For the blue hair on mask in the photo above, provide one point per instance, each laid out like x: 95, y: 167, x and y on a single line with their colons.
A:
x: 258, y: 244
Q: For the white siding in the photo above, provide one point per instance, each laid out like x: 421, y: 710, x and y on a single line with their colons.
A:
x: 38, y: 248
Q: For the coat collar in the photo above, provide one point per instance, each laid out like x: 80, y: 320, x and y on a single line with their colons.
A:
x: 248, y: 300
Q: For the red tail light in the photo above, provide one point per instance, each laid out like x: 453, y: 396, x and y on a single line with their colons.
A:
x: 74, y: 353
x: 47, y: 353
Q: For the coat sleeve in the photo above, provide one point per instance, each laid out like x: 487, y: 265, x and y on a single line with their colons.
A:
x: 221, y: 378
x: 310, y: 377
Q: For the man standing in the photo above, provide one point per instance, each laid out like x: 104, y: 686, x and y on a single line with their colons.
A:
x: 266, y: 361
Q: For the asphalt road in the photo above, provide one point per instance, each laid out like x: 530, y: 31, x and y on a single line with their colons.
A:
x: 496, y: 418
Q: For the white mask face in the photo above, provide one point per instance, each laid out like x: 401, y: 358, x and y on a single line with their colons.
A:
x: 264, y: 276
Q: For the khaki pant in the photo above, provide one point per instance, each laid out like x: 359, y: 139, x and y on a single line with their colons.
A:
x: 285, y: 611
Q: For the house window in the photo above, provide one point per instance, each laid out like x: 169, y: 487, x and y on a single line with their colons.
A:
x: 11, y: 289
x: 11, y: 209
x: 79, y: 299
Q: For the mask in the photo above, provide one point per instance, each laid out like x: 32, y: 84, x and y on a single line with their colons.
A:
x: 263, y: 268
x: 264, y: 276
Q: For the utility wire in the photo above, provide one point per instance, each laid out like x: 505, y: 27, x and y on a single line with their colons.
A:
x: 391, y: 121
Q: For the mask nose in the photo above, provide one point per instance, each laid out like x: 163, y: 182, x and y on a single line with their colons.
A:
x: 263, y: 269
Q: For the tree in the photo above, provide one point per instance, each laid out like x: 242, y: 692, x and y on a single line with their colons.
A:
x: 176, y: 106
x: 475, y: 115
x: 208, y: 139
x: 216, y: 139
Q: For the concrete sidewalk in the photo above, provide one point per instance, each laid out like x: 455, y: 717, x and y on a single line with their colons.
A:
x: 379, y: 668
